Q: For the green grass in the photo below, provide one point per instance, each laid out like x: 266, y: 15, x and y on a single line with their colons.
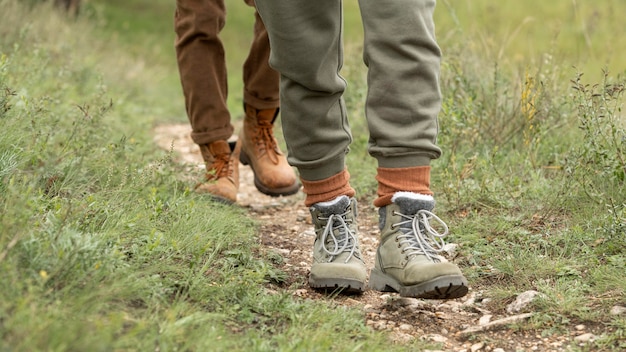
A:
x: 103, y: 247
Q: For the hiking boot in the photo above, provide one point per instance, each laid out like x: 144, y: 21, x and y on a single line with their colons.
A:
x: 337, y: 261
x: 222, y: 171
x: 407, y: 259
x: 272, y: 174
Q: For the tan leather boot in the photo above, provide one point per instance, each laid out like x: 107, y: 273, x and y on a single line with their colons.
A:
x: 222, y: 176
x: 272, y: 174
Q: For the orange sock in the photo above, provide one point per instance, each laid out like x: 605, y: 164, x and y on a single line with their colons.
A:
x: 406, y: 179
x: 327, y: 189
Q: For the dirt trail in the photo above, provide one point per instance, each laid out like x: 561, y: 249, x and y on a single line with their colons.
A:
x: 465, y: 324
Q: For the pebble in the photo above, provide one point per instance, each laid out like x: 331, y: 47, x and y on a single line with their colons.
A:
x: 402, y: 337
x: 451, y: 249
x: 522, y: 301
x: 477, y: 346
x: 585, y: 337
x: 618, y: 310
x: 405, y: 327
x: 435, y: 338
x: 485, y: 319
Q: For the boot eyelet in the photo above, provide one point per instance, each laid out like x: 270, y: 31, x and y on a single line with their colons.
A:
x: 406, y: 257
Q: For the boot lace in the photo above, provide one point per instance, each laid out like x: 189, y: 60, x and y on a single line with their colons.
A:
x: 420, y: 236
x: 265, y: 141
x: 220, y: 167
x: 338, y: 235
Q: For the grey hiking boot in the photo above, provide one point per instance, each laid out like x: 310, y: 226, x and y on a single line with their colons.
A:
x: 407, y: 259
x: 337, y: 261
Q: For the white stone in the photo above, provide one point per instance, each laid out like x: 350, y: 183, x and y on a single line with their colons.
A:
x: 477, y: 346
x: 485, y: 319
x: 618, y: 310
x: 435, y: 338
x: 585, y: 337
x: 405, y: 327
x: 522, y: 301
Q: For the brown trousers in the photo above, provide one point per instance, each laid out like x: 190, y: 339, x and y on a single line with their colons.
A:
x: 202, y: 66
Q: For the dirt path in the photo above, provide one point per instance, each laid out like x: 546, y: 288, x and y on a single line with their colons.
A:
x: 465, y: 324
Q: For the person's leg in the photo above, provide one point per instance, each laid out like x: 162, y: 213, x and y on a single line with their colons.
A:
x: 306, y: 49
x: 202, y: 68
x: 403, y: 102
x: 272, y: 173
x: 261, y: 82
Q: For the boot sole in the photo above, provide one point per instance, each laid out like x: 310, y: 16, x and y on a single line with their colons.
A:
x: 346, y: 286
x: 443, y: 287
x: 272, y: 192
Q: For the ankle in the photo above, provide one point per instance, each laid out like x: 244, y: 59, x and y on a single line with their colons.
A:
x: 414, y: 179
x: 328, y: 188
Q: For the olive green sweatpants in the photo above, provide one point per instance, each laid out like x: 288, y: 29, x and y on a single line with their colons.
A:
x: 403, y: 98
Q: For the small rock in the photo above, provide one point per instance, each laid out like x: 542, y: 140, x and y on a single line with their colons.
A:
x: 580, y: 327
x: 451, y: 249
x: 401, y: 337
x: 405, y: 301
x: 380, y: 325
x: 441, y: 315
x: 300, y: 292
x: 485, y: 319
x: 556, y: 344
x: 498, y: 350
x: 405, y: 327
x: 618, y: 310
x: 443, y: 306
x: 477, y: 346
x: 585, y: 337
x: 469, y: 299
x: 435, y: 338
x: 522, y: 301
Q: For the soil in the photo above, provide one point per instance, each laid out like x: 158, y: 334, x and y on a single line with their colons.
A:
x: 469, y: 323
